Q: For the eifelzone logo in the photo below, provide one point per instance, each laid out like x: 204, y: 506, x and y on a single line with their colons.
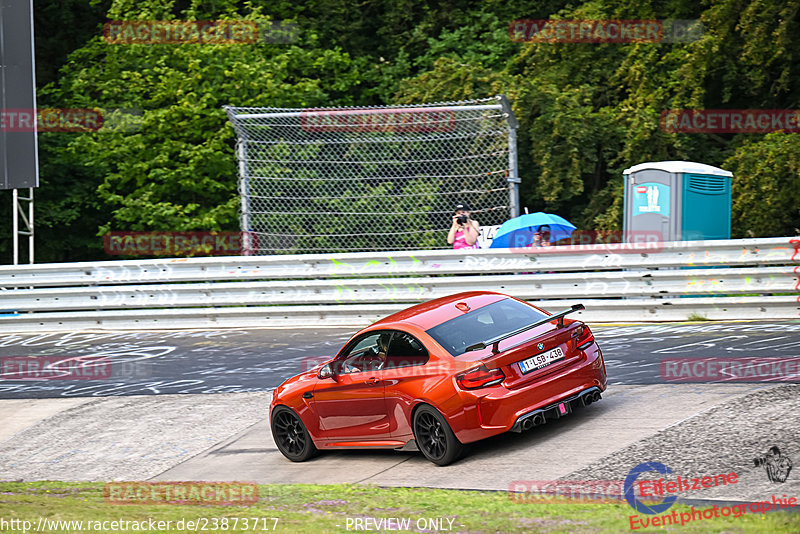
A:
x: 629, y: 487
x: 667, y: 489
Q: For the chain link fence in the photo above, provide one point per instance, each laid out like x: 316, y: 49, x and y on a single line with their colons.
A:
x: 372, y: 178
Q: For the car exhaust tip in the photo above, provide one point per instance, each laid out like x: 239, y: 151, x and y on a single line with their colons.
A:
x: 554, y: 411
x: 527, y: 424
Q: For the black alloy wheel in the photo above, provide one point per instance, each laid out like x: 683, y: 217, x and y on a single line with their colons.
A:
x: 291, y: 436
x: 434, y: 437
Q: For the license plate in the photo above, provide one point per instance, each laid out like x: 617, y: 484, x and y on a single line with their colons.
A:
x: 541, y: 360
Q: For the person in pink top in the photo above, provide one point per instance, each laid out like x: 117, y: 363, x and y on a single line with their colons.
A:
x: 464, y: 231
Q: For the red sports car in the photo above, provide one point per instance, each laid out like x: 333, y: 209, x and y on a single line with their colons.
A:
x: 439, y: 375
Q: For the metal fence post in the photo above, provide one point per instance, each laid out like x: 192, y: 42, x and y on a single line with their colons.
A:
x: 513, y: 174
x: 247, y: 244
x: 513, y: 168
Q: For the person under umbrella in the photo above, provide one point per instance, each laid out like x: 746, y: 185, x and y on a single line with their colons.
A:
x: 541, y: 238
x: 521, y: 232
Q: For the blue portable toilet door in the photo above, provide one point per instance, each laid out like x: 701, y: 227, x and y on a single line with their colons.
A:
x: 706, y: 207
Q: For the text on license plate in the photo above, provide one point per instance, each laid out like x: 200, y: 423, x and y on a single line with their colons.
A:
x: 541, y: 360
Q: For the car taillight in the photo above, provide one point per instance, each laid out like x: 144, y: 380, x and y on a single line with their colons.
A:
x: 480, y: 377
x: 584, y: 338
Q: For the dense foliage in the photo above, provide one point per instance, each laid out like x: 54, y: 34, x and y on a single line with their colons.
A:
x: 586, y: 110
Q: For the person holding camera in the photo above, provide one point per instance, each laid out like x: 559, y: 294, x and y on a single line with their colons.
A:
x: 541, y: 238
x: 464, y: 231
x: 777, y: 465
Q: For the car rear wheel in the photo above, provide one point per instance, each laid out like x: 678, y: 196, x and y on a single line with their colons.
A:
x: 291, y: 436
x: 434, y: 436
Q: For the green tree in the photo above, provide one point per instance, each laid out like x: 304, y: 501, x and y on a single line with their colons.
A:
x: 766, y: 186
x: 173, y: 168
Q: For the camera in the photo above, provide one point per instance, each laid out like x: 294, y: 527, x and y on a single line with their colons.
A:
x: 461, y: 219
x: 773, y: 452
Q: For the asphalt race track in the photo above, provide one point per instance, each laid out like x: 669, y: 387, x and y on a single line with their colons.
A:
x: 236, y: 361
x: 192, y: 405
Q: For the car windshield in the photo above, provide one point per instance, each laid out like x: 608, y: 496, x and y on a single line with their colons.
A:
x: 483, y: 324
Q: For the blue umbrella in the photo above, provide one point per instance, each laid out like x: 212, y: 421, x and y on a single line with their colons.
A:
x: 518, y: 232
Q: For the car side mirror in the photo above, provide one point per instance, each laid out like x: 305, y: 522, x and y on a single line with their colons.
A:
x: 326, y: 372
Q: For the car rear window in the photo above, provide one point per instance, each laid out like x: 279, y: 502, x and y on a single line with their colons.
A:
x: 483, y: 324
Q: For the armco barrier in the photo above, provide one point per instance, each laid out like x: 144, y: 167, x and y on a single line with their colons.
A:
x: 732, y: 279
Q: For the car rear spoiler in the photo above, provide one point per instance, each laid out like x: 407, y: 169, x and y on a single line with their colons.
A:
x: 495, y: 342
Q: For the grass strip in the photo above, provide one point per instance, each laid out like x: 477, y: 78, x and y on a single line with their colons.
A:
x: 337, y: 508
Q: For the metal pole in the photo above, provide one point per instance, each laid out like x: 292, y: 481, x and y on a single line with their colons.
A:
x: 245, y: 192
x: 18, y: 213
x: 513, y: 174
x: 15, y: 225
x: 30, y: 225
x: 513, y: 169
x: 365, y: 111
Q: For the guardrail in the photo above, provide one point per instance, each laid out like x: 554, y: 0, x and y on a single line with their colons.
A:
x: 732, y: 279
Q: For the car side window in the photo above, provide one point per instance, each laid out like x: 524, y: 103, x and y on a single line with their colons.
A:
x: 367, y: 354
x: 405, y: 351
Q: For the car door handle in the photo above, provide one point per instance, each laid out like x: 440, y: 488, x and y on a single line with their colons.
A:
x: 372, y: 381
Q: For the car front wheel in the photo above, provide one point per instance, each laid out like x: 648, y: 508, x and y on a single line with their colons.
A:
x: 291, y: 436
x: 434, y: 436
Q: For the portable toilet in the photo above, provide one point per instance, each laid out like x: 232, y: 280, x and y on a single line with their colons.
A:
x: 680, y: 200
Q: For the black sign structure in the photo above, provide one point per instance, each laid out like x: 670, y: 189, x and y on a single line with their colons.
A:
x: 19, y: 164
